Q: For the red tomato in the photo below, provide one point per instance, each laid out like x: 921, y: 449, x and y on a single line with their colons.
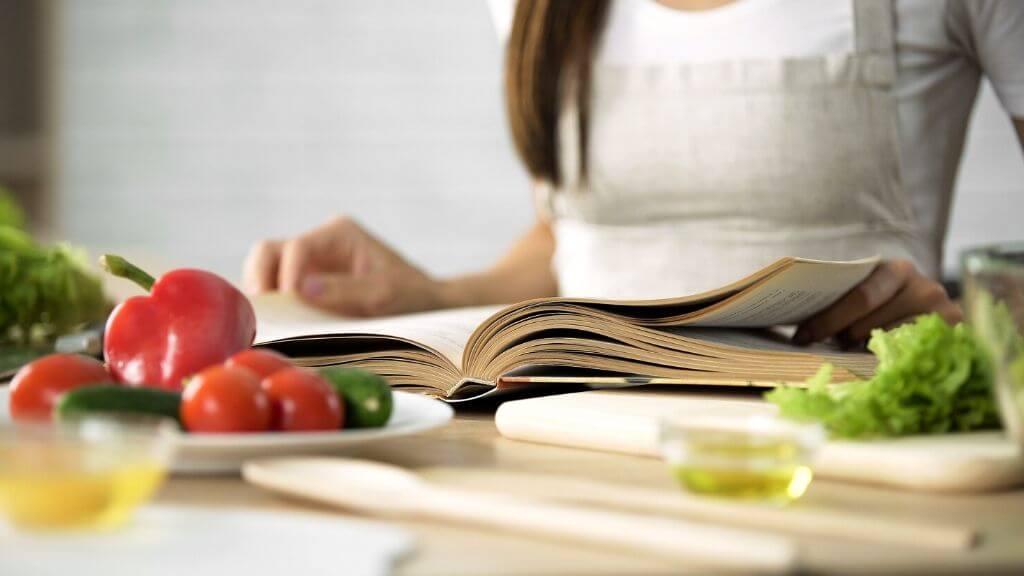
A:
x: 38, y: 385
x: 222, y: 399
x: 262, y: 362
x: 303, y: 401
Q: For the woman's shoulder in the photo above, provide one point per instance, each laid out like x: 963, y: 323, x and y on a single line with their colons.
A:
x: 987, y: 33
x: 957, y: 24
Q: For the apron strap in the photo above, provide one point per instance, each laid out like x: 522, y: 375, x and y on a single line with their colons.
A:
x: 570, y: 163
x: 875, y: 39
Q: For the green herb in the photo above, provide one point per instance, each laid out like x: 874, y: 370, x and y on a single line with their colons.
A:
x: 44, y: 291
x: 931, y: 378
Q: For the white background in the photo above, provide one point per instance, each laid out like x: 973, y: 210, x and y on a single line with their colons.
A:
x: 189, y: 129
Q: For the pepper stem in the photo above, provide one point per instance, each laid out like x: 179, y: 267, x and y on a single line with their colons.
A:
x: 122, y: 268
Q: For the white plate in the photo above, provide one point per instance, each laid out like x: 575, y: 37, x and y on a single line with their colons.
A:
x: 219, y: 453
x: 167, y: 540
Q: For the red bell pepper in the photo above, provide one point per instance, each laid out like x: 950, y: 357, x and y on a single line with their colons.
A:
x: 190, y: 320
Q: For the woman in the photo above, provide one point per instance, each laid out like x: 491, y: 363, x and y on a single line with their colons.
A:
x: 677, y: 145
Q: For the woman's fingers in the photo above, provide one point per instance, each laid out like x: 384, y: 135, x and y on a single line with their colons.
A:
x: 893, y: 294
x: 950, y: 312
x: 887, y: 280
x: 919, y: 296
x: 342, y: 268
x: 295, y: 254
x: 330, y: 244
x: 260, y: 271
x: 371, y: 295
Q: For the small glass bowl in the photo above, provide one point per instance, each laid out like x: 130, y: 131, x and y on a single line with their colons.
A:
x: 761, y: 458
x: 993, y: 278
x: 85, y: 473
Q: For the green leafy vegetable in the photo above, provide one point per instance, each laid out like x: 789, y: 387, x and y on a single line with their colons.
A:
x: 931, y: 378
x: 44, y: 291
x: 10, y: 213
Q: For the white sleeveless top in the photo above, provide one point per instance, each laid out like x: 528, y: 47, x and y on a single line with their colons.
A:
x: 704, y: 170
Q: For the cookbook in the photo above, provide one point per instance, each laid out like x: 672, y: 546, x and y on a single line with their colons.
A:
x: 729, y: 336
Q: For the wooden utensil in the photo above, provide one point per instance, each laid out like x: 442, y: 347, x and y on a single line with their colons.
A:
x: 794, y: 519
x: 384, y: 490
x: 626, y: 421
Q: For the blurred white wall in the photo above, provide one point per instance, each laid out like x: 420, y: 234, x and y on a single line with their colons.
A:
x: 190, y: 128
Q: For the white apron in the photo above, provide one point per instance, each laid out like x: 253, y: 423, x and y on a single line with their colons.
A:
x: 701, y: 173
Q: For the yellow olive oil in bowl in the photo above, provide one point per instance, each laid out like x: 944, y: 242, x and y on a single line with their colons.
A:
x: 756, y: 458
x: 84, y: 474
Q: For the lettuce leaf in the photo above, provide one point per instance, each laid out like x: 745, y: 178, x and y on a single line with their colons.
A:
x: 11, y: 214
x: 931, y: 378
x: 45, y: 291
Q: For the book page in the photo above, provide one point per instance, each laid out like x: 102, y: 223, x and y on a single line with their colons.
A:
x: 785, y: 292
x: 774, y: 340
x: 794, y: 294
x: 283, y: 317
x: 860, y: 362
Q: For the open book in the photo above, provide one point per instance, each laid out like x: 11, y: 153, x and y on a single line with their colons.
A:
x: 721, y: 337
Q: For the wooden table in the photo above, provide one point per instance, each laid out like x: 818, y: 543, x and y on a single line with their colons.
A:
x: 472, y: 441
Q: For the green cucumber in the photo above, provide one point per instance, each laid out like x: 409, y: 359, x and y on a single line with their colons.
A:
x: 106, y: 399
x: 367, y: 396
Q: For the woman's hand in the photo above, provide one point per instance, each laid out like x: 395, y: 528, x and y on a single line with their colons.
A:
x: 893, y: 294
x: 342, y: 268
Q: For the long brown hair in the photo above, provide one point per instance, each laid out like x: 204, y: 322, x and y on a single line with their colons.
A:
x: 548, y: 60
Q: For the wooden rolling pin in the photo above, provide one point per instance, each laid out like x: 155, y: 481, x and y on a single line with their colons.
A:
x: 384, y: 490
x: 794, y: 519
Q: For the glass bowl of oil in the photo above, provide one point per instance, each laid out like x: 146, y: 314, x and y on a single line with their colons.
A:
x: 759, y: 458
x: 82, y: 473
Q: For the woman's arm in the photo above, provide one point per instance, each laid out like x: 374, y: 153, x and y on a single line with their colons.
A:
x: 343, y: 268
x: 523, y: 273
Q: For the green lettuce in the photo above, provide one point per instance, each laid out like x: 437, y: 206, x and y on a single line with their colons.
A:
x: 11, y: 215
x: 45, y: 291
x: 931, y: 378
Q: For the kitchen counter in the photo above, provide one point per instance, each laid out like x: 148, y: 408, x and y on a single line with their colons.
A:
x: 472, y: 441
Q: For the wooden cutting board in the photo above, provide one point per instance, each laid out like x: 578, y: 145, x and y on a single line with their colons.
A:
x: 626, y: 421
